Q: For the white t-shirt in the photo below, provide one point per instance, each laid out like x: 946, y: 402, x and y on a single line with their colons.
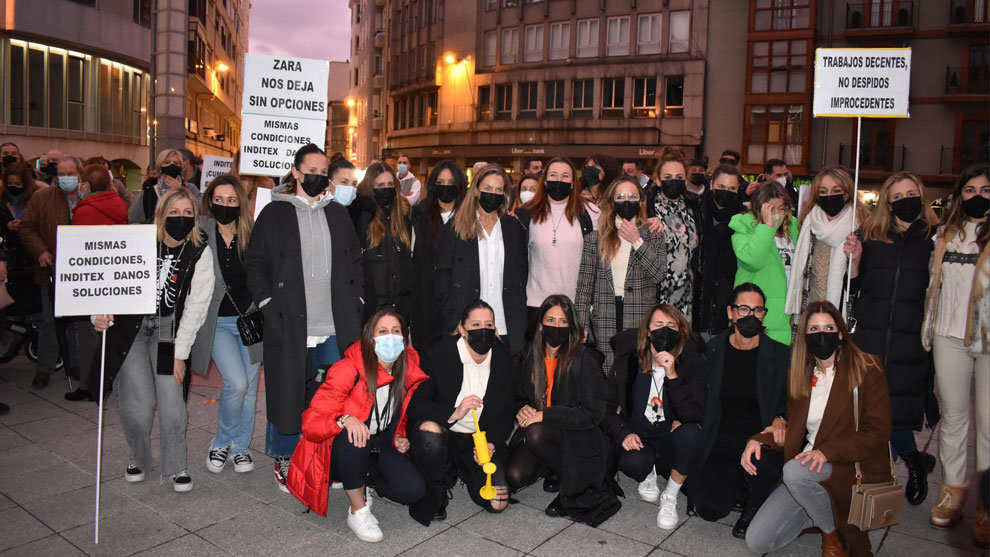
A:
x: 474, y: 382
x: 786, y: 249
x: 653, y: 413
x: 821, y: 387
x: 385, y: 410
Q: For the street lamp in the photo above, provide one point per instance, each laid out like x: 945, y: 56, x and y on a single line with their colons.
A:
x: 221, y: 67
x: 350, y: 103
x: 449, y: 59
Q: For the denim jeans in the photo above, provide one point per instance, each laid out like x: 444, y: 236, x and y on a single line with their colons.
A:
x: 235, y: 419
x: 278, y: 445
x: 138, y: 388
x: 799, y: 502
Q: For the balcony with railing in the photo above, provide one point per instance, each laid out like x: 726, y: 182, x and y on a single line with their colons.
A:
x: 890, y: 17
x: 971, y: 81
x: 968, y: 15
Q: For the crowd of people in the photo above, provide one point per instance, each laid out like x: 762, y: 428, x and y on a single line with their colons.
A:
x: 761, y: 356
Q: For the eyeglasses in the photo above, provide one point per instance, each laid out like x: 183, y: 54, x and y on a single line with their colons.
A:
x: 744, y: 311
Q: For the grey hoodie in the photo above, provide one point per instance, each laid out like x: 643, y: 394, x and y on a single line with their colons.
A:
x: 315, y: 248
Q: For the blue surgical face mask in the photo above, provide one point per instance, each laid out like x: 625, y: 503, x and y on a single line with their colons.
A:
x: 68, y: 184
x: 344, y: 194
x: 389, y: 347
x: 403, y: 168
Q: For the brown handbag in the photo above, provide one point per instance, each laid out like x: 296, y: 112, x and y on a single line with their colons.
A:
x: 876, y: 505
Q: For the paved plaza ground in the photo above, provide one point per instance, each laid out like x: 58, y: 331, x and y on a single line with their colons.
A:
x: 47, y: 471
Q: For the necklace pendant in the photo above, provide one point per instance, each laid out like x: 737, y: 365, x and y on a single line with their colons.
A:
x: 555, y: 239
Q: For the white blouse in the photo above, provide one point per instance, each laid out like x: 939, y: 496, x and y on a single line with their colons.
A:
x: 821, y: 386
x: 474, y: 382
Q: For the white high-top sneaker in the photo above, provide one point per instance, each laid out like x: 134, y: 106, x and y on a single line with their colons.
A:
x: 648, y: 489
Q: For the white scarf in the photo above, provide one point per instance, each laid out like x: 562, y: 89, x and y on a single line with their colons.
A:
x: 833, y: 234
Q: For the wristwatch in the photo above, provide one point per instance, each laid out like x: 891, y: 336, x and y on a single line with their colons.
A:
x: 342, y: 421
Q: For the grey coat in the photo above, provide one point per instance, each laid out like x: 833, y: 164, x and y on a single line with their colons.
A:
x: 203, y: 347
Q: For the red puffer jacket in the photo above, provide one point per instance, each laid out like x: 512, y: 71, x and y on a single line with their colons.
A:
x: 105, y: 207
x: 343, y: 392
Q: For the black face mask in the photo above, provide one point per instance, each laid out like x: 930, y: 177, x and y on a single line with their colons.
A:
x: 15, y: 190
x: 446, y: 194
x: 832, y: 204
x: 225, y: 214
x: 698, y: 179
x: 179, y: 227
x: 172, y: 170
x: 749, y: 326
x: 558, y: 190
x: 9, y: 160
x: 384, y: 197
x: 591, y: 176
x: 823, y: 344
x: 556, y: 337
x: 490, y: 202
x: 976, y: 207
x: 314, y: 184
x: 664, y: 339
x: 906, y: 208
x: 627, y: 209
x: 725, y: 198
x: 481, y: 340
x: 673, y: 189
x: 50, y: 169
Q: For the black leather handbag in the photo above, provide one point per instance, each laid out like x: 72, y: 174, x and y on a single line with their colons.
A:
x: 251, y: 326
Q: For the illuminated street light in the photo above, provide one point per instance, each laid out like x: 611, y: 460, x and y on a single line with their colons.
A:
x: 450, y: 59
x: 350, y: 102
x: 221, y: 67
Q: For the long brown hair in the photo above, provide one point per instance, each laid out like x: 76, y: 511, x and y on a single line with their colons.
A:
x: 370, y: 359
x: 399, y: 210
x: 955, y: 223
x: 880, y: 222
x: 21, y: 170
x: 467, y: 225
x: 608, y: 234
x: 245, y: 221
x: 643, y: 336
x: 849, y: 359
x: 537, y: 348
x: 845, y: 181
x: 767, y: 192
x: 540, y: 205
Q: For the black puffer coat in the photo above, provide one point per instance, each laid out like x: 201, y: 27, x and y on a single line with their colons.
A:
x: 890, y: 308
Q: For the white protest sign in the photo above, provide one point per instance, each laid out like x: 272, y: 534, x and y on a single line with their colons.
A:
x: 263, y: 196
x: 105, y: 270
x: 284, y: 108
x: 213, y: 167
x: 866, y: 82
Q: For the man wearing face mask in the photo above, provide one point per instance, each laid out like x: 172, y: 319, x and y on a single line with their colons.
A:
x: 747, y: 395
x: 48, y: 170
x: 305, y: 271
x: 776, y: 170
x: 410, y: 184
x: 169, y: 163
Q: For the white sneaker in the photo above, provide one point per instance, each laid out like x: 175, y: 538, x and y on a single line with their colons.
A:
x: 364, y: 525
x: 667, y: 517
x: 648, y: 490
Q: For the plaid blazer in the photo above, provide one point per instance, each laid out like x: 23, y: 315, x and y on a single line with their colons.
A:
x: 595, y: 298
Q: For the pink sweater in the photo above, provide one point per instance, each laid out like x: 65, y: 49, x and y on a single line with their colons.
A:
x: 553, y: 269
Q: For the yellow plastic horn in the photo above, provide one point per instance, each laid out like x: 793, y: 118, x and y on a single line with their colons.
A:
x: 484, y: 459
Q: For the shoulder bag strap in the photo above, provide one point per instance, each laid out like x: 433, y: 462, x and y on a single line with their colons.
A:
x: 226, y: 290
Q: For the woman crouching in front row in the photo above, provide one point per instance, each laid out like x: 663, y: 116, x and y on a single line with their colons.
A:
x: 354, y: 430
x: 823, y: 443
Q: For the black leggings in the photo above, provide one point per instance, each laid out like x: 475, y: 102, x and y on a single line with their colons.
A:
x: 539, y: 450
x: 444, y: 457
x: 663, y: 450
x: 721, y: 481
x: 395, y: 476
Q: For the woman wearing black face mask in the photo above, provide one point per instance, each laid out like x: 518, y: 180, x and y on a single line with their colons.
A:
x: 18, y: 187
x: 469, y: 371
x: 656, y: 403
x: 146, y: 354
x: 482, y: 254
x: 391, y: 257
x: 680, y: 230
x: 227, y: 224
x: 561, y: 396
x: 169, y: 164
x: 598, y: 172
x: 832, y: 385
x: 890, y: 271
x: 747, y: 396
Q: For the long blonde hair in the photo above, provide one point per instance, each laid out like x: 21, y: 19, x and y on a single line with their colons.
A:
x: 880, y: 221
x: 608, y: 234
x: 845, y: 181
x: 467, y: 225
x: 245, y: 221
x: 165, y: 202
x: 400, y: 208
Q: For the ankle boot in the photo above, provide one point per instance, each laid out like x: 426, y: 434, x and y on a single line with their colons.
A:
x: 919, y: 465
x: 949, y: 509
x: 981, y: 527
x: 831, y: 546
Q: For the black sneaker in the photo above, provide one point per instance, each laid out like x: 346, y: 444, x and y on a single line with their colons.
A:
x: 555, y: 508
x: 282, y: 473
x: 217, y: 459
x: 78, y: 395
x: 551, y: 484
x: 243, y: 462
x: 133, y: 474
x: 181, y: 482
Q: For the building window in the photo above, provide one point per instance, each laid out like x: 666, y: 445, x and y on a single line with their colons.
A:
x: 431, y: 109
x: 528, y: 93
x: 142, y: 12
x: 680, y: 31
x: 510, y: 46
x: 36, y: 88
x: 674, y: 97
x: 775, y: 132
x: 648, y: 35
x: 973, y: 141
x: 503, y: 102
x: 76, y: 81
x: 56, y: 90
x: 584, y: 98
x: 484, y: 103
x: 491, y: 48
x: 554, y: 99
x: 645, y: 97
x: 779, y: 67
x: 560, y: 40
x: 17, y: 97
x: 534, y: 44
x: 617, y: 41
x: 356, y: 83
x: 587, y: 38
x: 781, y: 14
x: 877, y: 145
x: 613, y: 96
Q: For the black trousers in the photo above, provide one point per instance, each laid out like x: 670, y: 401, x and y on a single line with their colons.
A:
x: 722, y: 481
x: 663, y: 450
x: 392, y: 473
x: 539, y: 450
x: 444, y: 457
